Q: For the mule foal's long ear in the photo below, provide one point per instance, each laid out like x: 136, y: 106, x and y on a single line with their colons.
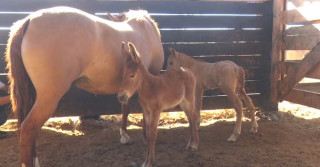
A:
x: 172, y: 51
x: 134, y: 53
x: 112, y: 17
x: 123, y: 51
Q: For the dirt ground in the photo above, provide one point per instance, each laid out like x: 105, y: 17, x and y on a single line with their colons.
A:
x: 293, y: 140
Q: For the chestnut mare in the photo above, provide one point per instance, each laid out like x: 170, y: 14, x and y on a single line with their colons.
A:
x: 157, y: 93
x: 227, y: 76
x: 53, y: 49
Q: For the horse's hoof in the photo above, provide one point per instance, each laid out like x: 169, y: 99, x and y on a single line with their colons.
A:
x: 191, y: 147
x: 126, y: 141
x: 125, y: 138
x: 233, y: 138
x: 134, y: 164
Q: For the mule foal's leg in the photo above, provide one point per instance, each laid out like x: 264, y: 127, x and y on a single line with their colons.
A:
x: 237, y: 104
x: 248, y: 102
x: 152, y: 120
x: 31, y: 126
x: 125, y: 138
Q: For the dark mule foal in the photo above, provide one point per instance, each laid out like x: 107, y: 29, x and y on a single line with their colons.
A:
x: 157, y: 93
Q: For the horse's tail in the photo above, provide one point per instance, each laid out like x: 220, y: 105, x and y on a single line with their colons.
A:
x: 22, y: 91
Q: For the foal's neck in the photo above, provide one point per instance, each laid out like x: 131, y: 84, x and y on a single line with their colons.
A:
x: 147, y: 79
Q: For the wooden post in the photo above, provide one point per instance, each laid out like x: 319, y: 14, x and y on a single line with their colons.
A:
x: 276, y: 54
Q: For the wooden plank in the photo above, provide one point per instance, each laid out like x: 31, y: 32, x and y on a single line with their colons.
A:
x: 187, y: 7
x: 213, y: 35
x: 314, y: 73
x: 311, y: 87
x: 4, y: 35
x: 241, y: 60
x: 222, y: 102
x: 300, y: 42
x: 302, y: 14
x: 299, y: 71
x: 8, y: 19
x: 276, y: 54
x: 303, y: 30
x: 79, y: 102
x: 3, y: 63
x: 170, y: 21
x: 303, y: 97
x: 194, y: 49
x: 199, y: 21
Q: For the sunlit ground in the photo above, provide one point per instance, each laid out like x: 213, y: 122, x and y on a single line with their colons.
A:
x: 72, y: 125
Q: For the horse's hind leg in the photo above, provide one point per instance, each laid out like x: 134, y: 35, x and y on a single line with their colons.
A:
x: 248, y: 102
x: 45, y: 104
x: 237, y: 104
x: 125, y: 138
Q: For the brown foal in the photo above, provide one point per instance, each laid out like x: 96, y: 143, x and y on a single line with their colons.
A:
x: 227, y: 76
x: 157, y: 93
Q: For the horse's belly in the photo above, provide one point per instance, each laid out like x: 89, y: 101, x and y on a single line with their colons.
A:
x: 101, y: 80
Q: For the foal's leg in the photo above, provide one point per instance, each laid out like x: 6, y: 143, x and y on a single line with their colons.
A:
x: 237, y: 104
x: 125, y: 138
x: 193, y: 126
x: 151, y: 119
x: 45, y: 104
x: 198, y: 103
x: 248, y: 102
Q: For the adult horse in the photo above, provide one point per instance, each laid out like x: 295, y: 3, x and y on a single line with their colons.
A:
x: 52, y: 49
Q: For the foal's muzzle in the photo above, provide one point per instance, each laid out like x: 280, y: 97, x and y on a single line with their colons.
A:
x: 123, y: 97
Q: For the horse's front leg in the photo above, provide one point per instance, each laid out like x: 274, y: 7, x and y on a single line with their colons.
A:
x: 125, y: 138
x: 151, y: 120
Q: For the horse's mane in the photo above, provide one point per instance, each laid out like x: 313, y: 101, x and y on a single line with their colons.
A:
x: 142, y: 15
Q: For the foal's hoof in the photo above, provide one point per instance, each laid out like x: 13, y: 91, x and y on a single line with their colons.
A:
x: 233, y: 137
x: 191, y: 147
x: 254, y: 129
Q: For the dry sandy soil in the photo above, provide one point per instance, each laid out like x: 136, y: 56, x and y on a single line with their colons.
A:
x: 293, y: 140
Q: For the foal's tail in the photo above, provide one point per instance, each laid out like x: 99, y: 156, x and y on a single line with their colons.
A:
x: 242, y: 92
x: 242, y: 78
x: 22, y: 91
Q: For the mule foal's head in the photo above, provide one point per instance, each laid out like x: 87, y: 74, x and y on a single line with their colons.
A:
x: 131, y: 78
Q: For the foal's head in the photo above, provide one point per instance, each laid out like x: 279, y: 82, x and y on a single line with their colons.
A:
x: 173, y: 59
x: 177, y: 59
x: 131, y: 77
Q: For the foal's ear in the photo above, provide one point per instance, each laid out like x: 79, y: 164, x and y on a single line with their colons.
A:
x: 134, y: 53
x: 123, y: 51
x: 116, y: 18
x: 172, y: 51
